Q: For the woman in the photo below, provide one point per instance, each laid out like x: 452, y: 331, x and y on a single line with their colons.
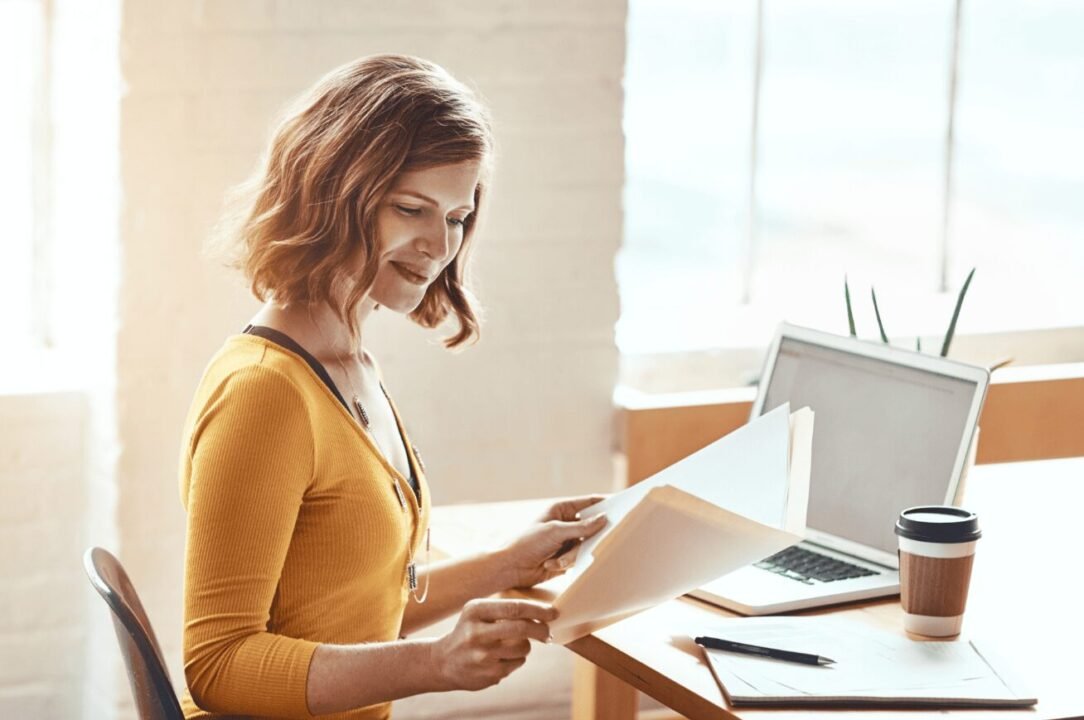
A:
x: 306, y: 563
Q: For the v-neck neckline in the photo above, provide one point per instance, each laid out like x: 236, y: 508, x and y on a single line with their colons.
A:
x: 292, y: 347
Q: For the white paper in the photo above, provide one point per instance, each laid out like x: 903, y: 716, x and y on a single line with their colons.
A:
x: 870, y: 663
x: 745, y: 472
x: 670, y: 543
x: 733, y: 503
x: 801, y: 466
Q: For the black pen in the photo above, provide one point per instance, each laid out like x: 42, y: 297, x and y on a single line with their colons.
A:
x: 715, y: 643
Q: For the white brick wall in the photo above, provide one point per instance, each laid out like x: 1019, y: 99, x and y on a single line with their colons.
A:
x: 41, y: 533
x: 527, y: 412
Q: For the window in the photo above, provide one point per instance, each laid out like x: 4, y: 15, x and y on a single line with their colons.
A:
x: 22, y: 183
x: 1018, y: 195
x: 775, y: 146
x: 59, y: 185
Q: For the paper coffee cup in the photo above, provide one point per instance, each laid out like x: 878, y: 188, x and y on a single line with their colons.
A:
x: 936, y: 552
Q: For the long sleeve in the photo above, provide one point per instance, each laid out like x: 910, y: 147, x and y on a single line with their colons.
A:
x: 249, y: 462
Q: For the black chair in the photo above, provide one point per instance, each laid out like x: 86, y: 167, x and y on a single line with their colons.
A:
x: 147, y: 673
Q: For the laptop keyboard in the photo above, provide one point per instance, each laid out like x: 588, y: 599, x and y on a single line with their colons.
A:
x: 805, y: 566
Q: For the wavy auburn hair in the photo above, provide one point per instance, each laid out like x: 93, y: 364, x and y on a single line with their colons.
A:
x: 310, y: 212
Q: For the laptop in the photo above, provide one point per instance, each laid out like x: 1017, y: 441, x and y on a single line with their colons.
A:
x: 893, y: 429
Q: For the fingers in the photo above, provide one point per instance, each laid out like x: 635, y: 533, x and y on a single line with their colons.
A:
x: 494, y: 652
x: 491, y: 640
x: 579, y: 503
x: 570, y: 508
x: 562, y: 562
x: 509, y: 630
x: 577, y: 530
x: 493, y: 610
x: 569, y: 535
x: 488, y: 670
x: 502, y: 621
x: 517, y: 649
x: 509, y: 665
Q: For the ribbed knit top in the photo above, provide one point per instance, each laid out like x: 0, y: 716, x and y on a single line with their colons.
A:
x: 298, y: 533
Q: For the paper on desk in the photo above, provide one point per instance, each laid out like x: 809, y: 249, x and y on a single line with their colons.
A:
x: 761, y: 471
x: 730, y: 504
x: 871, y: 666
x: 671, y: 542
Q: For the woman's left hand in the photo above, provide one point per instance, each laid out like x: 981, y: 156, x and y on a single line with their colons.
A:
x: 548, y: 548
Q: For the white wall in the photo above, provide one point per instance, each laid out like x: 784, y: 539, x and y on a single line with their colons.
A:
x: 525, y: 413
x: 58, y: 656
x: 42, y: 635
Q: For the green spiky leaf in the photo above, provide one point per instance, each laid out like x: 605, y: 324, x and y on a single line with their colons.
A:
x: 850, y: 315
x: 956, y: 314
x: 877, y: 313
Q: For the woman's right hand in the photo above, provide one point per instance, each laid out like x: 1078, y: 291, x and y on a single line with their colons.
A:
x: 491, y: 639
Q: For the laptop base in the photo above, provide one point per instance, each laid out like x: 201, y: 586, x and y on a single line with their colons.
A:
x: 755, y: 591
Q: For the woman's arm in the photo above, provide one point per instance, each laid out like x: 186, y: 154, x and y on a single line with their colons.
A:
x: 491, y: 639
x: 451, y: 584
x: 247, y: 467
x: 528, y: 560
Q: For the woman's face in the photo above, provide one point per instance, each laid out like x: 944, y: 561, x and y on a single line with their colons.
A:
x: 419, y: 230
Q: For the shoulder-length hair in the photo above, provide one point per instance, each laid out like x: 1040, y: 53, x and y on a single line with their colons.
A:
x: 310, y: 212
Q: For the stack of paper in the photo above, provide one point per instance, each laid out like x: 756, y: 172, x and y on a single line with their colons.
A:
x: 733, y: 503
x: 872, y: 667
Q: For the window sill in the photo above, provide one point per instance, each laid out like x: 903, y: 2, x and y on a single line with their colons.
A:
x: 1030, y: 413
x: 738, y: 366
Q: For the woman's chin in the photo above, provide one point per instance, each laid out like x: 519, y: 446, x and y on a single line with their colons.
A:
x: 401, y: 305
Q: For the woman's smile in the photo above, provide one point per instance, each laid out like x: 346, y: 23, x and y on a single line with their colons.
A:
x: 410, y: 275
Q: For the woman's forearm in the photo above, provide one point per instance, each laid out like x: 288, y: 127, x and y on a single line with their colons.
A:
x: 490, y: 640
x: 343, y: 677
x: 541, y: 553
x: 454, y: 582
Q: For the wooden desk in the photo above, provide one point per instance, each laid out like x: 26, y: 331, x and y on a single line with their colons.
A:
x: 1025, y: 591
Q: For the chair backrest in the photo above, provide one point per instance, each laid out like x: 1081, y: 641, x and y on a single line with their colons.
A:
x: 147, y: 673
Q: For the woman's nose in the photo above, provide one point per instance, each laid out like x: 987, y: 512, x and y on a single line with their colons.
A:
x: 436, y: 241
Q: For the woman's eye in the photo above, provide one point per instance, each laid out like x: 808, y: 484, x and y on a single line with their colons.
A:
x: 407, y: 210
x: 458, y: 222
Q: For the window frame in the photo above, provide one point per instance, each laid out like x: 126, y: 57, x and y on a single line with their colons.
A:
x: 42, y: 178
x: 726, y: 364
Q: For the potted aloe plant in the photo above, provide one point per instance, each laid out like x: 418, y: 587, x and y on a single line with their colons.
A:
x: 918, y: 341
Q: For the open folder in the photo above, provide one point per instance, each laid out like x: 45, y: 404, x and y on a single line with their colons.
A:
x: 733, y: 503
x: 872, y: 667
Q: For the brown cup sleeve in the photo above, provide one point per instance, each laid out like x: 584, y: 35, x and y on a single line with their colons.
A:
x: 934, y: 586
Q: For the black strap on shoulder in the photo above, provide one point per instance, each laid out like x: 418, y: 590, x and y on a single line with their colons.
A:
x: 281, y: 338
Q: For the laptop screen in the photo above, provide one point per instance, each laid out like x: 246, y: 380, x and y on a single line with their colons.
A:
x: 886, y: 436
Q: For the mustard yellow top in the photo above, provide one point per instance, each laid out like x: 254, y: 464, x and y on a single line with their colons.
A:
x: 296, y: 534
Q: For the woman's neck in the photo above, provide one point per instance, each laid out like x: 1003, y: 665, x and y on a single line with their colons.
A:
x: 317, y: 329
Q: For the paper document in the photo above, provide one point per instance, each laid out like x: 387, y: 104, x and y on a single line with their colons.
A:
x: 669, y: 544
x: 747, y: 472
x: 872, y: 667
x: 732, y: 503
x: 799, y: 470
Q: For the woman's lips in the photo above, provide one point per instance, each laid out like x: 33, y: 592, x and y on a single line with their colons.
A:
x: 410, y: 275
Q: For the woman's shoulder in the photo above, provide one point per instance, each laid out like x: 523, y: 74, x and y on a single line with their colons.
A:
x: 248, y: 404
x: 254, y: 365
